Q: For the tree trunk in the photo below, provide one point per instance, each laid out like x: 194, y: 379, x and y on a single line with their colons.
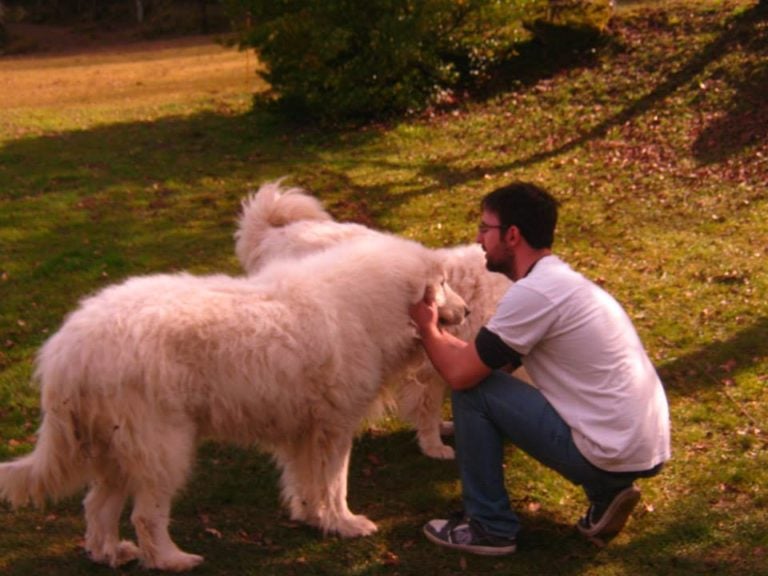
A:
x: 140, y: 11
x: 204, y: 16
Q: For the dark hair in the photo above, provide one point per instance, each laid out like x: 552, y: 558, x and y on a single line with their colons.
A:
x: 531, y: 208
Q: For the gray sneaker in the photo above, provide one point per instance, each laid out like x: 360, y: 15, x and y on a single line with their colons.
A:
x: 603, y: 522
x: 462, y: 533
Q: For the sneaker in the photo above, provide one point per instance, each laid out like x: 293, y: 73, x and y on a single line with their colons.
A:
x: 606, y: 521
x: 462, y: 533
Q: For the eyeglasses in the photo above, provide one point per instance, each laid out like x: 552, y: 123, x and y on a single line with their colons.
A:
x: 482, y: 228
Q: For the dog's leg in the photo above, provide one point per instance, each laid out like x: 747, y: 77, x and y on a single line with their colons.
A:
x: 314, y: 480
x: 150, y: 517
x: 103, y: 506
x: 334, y: 470
x: 295, y: 487
x: 158, y: 479
x: 419, y: 400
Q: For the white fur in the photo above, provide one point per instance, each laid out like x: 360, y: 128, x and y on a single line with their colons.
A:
x: 290, y: 360
x: 278, y: 222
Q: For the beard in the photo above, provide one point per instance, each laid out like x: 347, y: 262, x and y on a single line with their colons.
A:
x: 503, y: 265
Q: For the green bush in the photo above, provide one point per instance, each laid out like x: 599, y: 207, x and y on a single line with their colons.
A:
x: 349, y: 59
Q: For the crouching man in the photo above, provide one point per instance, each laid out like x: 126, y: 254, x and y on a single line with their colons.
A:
x: 597, y: 413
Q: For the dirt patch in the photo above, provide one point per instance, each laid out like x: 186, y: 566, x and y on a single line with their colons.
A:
x: 64, y: 67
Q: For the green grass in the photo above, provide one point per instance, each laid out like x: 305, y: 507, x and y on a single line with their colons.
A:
x: 657, y: 146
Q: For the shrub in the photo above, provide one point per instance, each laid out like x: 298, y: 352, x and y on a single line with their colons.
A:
x: 342, y: 59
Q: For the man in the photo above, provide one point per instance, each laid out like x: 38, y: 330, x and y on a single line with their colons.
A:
x: 597, y: 412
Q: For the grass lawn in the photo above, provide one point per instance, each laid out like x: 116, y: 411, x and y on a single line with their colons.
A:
x: 132, y: 161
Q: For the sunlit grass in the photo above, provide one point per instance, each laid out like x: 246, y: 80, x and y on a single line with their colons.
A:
x: 132, y: 163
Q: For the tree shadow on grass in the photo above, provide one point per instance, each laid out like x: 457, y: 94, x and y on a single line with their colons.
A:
x: 744, y: 122
x: 230, y: 513
x: 723, y: 137
x: 709, y: 365
x: 189, y: 149
x: 689, y: 537
x: 89, y: 207
x: 741, y: 27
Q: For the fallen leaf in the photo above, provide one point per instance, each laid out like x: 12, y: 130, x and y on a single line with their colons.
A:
x: 729, y: 365
x: 534, y: 506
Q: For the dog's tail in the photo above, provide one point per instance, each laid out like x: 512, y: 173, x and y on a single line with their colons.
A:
x: 271, y: 206
x: 53, y: 470
x: 58, y: 466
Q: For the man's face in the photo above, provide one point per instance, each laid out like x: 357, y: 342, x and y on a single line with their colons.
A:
x: 498, y: 256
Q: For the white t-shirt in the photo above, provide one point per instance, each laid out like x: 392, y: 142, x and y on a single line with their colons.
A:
x: 582, y: 351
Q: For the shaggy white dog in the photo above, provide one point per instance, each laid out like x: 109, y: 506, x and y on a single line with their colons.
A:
x: 290, y: 360
x: 279, y: 222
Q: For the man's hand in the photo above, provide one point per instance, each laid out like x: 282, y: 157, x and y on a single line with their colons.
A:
x: 424, y: 313
x: 455, y: 360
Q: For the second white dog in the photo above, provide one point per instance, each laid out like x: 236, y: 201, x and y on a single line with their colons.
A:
x: 279, y: 222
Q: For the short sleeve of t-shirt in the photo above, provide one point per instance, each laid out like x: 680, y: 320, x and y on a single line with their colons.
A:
x: 523, y: 317
x: 494, y: 352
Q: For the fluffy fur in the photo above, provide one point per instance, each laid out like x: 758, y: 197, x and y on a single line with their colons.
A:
x: 290, y: 360
x: 278, y: 222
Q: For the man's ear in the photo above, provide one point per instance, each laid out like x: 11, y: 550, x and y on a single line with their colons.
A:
x: 512, y: 236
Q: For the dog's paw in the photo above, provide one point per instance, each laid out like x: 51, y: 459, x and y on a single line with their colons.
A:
x: 127, y: 551
x: 355, y: 526
x: 439, y: 451
x: 177, y: 562
x: 431, y: 443
x: 114, y: 555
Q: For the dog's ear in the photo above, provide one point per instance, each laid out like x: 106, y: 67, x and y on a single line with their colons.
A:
x: 430, y: 281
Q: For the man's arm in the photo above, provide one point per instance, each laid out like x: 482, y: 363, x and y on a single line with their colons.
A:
x: 457, y: 361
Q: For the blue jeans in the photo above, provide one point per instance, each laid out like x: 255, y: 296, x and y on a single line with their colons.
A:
x: 503, y: 407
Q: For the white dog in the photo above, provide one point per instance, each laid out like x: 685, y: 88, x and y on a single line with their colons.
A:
x: 289, y: 360
x: 278, y: 222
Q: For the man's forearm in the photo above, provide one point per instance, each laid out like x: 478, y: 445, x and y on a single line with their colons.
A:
x: 453, y: 358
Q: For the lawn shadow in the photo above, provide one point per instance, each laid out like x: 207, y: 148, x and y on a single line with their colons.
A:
x: 744, y: 122
x: 740, y: 27
x: 687, y: 540
x: 720, y: 359
x: 143, y: 196
x: 230, y: 513
x: 188, y: 149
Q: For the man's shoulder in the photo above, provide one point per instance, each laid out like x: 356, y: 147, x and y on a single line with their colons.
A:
x: 551, y: 270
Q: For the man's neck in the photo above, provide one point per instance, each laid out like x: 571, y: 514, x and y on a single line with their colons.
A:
x: 529, y: 260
